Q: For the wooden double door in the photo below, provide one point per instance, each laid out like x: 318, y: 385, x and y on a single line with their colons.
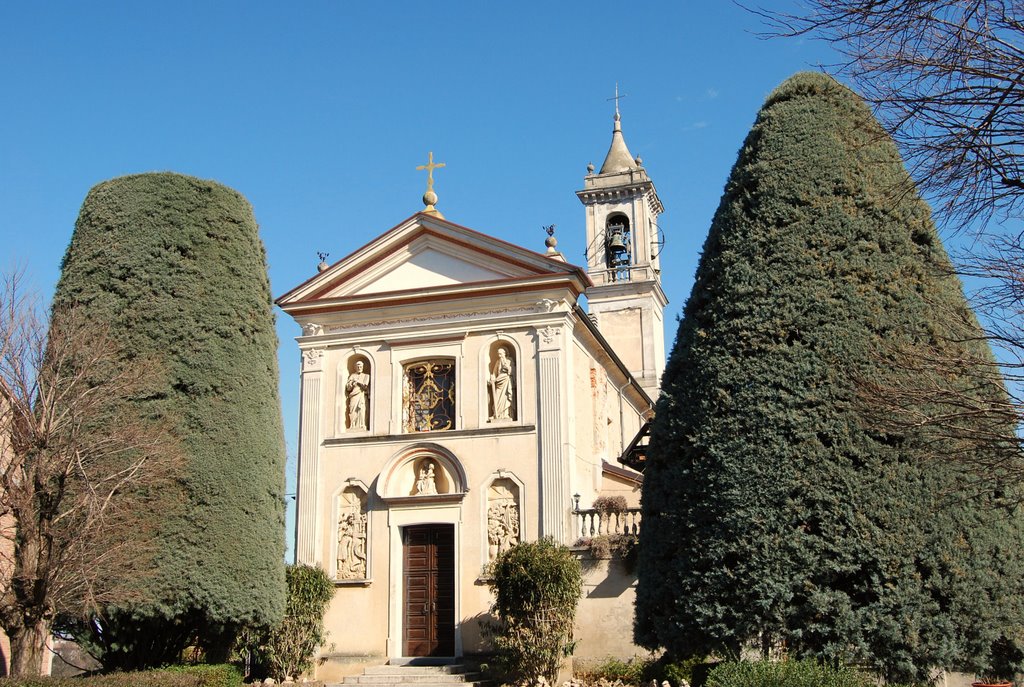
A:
x: 428, y: 569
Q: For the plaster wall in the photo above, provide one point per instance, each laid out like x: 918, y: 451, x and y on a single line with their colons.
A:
x: 604, y: 617
x: 627, y: 489
x: 623, y: 329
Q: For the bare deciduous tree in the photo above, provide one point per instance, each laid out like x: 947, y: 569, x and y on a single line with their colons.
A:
x: 947, y: 81
x: 81, y: 470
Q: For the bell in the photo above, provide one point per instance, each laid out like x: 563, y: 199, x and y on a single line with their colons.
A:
x: 615, y: 243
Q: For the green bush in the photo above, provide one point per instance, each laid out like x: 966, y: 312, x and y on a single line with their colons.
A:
x: 805, y: 673
x: 180, y: 676
x: 633, y: 671
x: 536, y: 587
x: 679, y: 671
x: 641, y: 671
x: 288, y: 649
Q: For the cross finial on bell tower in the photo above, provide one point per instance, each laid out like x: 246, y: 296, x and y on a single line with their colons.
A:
x: 617, y: 98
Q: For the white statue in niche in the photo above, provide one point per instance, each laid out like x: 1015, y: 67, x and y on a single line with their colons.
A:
x: 500, y: 385
x: 502, y: 519
x: 351, y: 538
x: 357, y: 389
x: 426, y: 484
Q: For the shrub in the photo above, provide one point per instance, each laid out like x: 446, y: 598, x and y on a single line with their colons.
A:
x: 621, y: 546
x: 606, y: 505
x: 536, y: 587
x: 641, y: 671
x: 633, y: 671
x: 288, y: 649
x: 804, y: 673
x: 181, y: 676
x: 678, y: 671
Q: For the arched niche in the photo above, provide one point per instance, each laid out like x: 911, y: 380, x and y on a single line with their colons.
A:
x: 422, y: 472
x: 503, y: 513
x: 501, y: 379
x: 354, y: 393
x: 351, y: 559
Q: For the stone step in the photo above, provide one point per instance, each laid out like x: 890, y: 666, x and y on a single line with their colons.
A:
x: 349, y: 682
x: 417, y: 683
x: 397, y: 675
x: 407, y: 678
x: 403, y: 669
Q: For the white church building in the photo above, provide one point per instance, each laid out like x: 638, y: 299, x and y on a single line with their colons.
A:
x: 456, y: 399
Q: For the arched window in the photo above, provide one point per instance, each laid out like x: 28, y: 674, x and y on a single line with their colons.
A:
x: 428, y: 396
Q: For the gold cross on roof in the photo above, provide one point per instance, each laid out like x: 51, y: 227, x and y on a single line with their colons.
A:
x: 430, y: 198
x: 430, y: 167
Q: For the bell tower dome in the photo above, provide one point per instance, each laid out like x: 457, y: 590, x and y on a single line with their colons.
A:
x: 623, y: 245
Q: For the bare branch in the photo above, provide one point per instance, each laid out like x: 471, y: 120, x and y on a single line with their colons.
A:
x: 82, y: 469
x: 947, y: 81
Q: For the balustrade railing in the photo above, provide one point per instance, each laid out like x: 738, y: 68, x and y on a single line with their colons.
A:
x: 593, y: 523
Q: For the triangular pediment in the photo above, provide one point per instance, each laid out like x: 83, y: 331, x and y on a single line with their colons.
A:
x: 428, y: 267
x: 425, y: 253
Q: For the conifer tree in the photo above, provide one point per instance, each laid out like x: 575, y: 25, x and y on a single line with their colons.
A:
x: 774, y: 509
x: 175, y: 265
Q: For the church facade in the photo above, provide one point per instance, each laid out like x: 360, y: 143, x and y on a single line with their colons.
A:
x: 457, y: 399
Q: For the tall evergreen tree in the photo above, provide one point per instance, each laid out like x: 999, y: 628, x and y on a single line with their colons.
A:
x: 774, y: 510
x: 175, y: 265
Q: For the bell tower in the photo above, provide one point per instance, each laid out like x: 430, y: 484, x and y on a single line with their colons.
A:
x: 623, y: 246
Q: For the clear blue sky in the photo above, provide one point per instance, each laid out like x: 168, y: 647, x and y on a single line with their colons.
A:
x: 319, y: 112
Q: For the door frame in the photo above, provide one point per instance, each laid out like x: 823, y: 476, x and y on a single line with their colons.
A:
x: 398, y: 519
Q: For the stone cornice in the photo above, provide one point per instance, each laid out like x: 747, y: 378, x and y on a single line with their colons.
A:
x: 435, y: 437
x: 624, y: 192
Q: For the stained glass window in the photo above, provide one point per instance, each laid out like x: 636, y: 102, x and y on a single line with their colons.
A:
x: 428, y: 401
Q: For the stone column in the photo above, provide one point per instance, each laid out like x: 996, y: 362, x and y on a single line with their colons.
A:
x: 309, y: 456
x: 554, y: 499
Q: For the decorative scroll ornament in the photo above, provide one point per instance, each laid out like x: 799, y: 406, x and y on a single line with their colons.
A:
x: 546, y: 304
x: 312, y: 329
x: 312, y: 358
x: 548, y: 334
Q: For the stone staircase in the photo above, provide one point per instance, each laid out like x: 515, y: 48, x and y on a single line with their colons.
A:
x: 414, y: 676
